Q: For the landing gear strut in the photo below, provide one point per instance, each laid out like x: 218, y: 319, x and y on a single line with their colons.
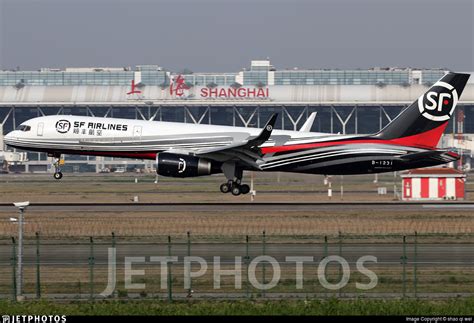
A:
x: 234, y: 180
x: 57, y: 167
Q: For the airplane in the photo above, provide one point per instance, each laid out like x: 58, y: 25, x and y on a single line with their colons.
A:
x: 188, y: 150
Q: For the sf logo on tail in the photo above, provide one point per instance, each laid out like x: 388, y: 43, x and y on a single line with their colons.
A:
x: 438, y: 104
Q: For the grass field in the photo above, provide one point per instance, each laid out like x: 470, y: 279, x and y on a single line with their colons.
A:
x: 288, y: 307
x: 72, y: 283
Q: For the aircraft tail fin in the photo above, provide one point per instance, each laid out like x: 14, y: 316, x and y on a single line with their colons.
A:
x: 424, y: 121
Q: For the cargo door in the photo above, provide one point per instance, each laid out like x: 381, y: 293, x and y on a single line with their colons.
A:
x: 137, y: 131
x: 40, y: 129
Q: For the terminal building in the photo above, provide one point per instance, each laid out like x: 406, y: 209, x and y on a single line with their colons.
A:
x: 346, y: 101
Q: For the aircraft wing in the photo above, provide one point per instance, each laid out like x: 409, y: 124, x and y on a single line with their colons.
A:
x: 246, y: 151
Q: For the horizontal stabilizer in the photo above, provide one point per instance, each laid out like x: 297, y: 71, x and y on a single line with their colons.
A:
x: 445, y: 156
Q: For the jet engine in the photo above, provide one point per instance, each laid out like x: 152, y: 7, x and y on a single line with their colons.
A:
x: 178, y: 165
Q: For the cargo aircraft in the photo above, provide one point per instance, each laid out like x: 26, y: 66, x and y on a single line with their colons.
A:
x: 189, y: 150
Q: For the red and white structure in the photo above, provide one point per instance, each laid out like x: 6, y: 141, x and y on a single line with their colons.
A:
x: 433, y: 184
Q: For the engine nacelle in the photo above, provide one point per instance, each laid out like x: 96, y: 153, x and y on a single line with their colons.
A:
x: 177, y: 165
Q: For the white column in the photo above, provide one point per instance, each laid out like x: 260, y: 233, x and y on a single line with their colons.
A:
x: 416, y: 188
x: 433, y: 187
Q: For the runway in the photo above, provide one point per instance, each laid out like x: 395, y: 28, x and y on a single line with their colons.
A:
x: 229, y: 207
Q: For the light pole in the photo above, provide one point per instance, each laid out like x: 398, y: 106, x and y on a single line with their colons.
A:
x: 21, y: 207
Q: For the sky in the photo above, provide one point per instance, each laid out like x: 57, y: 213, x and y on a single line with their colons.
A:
x: 224, y: 35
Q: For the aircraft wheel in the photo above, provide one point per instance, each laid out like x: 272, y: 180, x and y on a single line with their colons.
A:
x: 236, y: 190
x: 225, y: 188
x: 245, y: 189
x: 58, y: 175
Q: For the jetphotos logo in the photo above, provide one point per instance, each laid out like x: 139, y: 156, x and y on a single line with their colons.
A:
x: 33, y: 318
x: 238, y: 269
x: 438, y: 104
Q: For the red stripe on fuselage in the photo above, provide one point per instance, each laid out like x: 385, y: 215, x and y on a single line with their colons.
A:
x: 427, y: 140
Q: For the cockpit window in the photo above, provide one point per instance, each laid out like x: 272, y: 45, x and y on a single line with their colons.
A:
x: 23, y: 127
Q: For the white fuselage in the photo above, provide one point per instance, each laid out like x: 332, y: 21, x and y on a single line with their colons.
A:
x: 134, y: 138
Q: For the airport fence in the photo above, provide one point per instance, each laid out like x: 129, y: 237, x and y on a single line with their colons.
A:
x: 239, y: 267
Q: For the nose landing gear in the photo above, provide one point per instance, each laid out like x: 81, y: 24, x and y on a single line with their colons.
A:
x: 57, y: 167
x: 58, y: 175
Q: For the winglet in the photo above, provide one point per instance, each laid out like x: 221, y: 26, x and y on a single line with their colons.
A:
x: 266, y: 132
x: 306, y: 127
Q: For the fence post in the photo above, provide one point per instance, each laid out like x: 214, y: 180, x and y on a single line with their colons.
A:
x: 404, y: 273
x: 38, y: 275
x: 415, y: 266
x: 247, y: 261
x: 340, y: 267
x: 325, y: 246
x: 326, y: 251
x: 263, y: 264
x: 168, y: 264
x: 13, y: 259
x: 189, y: 272
x: 91, y: 269
x: 114, y: 242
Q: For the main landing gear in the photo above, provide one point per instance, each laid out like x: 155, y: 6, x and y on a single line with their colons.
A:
x: 234, y: 180
x: 57, y: 167
x: 235, y: 188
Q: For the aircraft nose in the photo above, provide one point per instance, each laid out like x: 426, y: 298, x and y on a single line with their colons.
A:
x: 8, y: 137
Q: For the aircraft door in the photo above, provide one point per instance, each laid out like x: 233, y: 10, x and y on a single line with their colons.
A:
x: 40, y: 129
x: 137, y: 131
